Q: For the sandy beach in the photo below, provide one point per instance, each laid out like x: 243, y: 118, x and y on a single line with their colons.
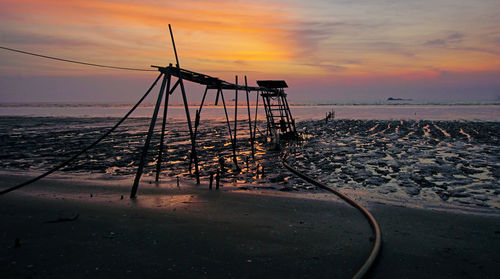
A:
x: 192, y: 232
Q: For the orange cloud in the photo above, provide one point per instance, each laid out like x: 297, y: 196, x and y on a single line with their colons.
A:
x: 229, y: 31
x: 263, y: 38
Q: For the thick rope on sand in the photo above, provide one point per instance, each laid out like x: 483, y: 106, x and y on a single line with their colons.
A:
x: 373, y: 223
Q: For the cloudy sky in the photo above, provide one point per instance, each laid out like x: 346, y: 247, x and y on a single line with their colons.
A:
x: 327, y: 50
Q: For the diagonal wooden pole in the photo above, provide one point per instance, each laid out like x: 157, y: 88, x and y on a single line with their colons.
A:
x: 197, y: 123
x: 162, y: 137
x: 186, y: 108
x: 148, y: 140
x: 250, y: 120
x: 173, y: 87
x: 235, y: 160
x: 256, y: 113
x: 217, y: 98
x: 198, y: 112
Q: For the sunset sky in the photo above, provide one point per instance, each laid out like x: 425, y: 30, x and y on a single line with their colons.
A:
x: 327, y: 50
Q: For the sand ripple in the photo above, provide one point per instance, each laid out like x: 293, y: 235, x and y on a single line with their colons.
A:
x: 456, y: 161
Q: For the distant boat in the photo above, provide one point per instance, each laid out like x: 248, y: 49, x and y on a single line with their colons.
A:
x: 398, y: 99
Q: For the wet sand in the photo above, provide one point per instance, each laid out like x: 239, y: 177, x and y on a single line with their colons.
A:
x: 438, y: 163
x: 424, y: 163
x: 192, y: 232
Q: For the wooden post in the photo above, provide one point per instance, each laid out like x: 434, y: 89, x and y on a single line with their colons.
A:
x: 235, y: 112
x: 217, y: 180
x: 186, y: 107
x: 148, y: 140
x: 162, y: 137
x: 249, y: 121
x: 197, y: 123
x: 193, y: 140
x: 256, y: 110
x: 217, y: 97
x: 199, y: 111
x: 235, y: 160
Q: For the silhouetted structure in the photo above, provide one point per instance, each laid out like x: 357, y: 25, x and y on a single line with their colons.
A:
x: 280, y: 123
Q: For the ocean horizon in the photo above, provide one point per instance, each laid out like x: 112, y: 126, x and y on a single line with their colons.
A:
x: 469, y: 111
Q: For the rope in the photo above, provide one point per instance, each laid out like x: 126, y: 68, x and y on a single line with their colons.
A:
x: 373, y: 223
x: 76, y: 62
x: 86, y: 148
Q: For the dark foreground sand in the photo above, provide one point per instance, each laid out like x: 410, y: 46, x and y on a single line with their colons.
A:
x: 191, y: 232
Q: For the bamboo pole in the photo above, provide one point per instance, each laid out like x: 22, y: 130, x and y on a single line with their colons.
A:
x: 197, y: 123
x: 256, y: 111
x: 235, y: 113
x: 250, y: 120
x: 186, y: 108
x: 235, y: 160
x: 148, y: 140
x: 162, y: 137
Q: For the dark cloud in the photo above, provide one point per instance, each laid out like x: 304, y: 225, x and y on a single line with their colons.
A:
x: 437, y: 42
x: 451, y: 39
x: 479, y: 49
x: 314, y: 38
x: 311, y: 35
x: 36, y: 39
x: 327, y: 67
x: 387, y: 47
x: 495, y: 40
x: 455, y: 37
x: 240, y: 62
x: 453, y: 42
x: 351, y: 62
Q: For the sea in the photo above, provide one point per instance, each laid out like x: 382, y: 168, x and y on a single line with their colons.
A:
x: 440, y: 156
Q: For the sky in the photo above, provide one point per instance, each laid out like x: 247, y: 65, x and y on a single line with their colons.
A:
x: 326, y: 50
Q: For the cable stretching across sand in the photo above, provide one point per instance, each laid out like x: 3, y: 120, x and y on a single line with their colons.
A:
x: 373, y: 223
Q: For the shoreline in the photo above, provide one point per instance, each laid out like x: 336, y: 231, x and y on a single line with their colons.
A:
x: 111, y: 185
x: 194, y: 232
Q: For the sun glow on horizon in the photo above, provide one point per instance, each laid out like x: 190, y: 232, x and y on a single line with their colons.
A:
x: 328, y: 42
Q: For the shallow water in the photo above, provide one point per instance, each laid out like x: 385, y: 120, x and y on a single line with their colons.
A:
x: 473, y: 112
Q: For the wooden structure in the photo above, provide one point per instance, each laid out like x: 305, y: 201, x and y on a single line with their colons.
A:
x: 278, y: 115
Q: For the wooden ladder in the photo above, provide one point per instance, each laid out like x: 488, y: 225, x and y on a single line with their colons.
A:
x: 280, y: 122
